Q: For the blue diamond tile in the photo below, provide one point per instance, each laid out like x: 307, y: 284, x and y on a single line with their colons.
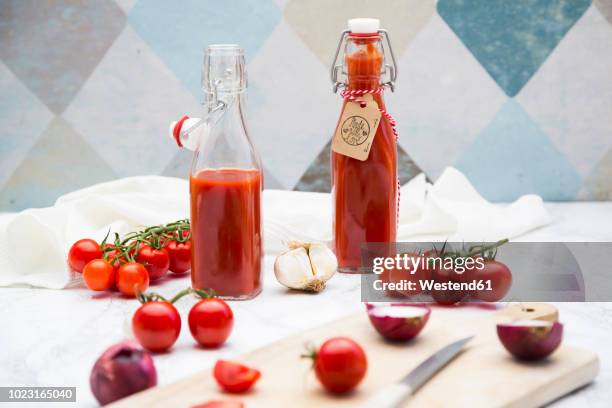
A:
x: 511, y: 39
x: 512, y: 157
x: 179, y: 31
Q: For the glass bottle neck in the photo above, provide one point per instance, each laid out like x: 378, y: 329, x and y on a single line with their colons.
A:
x: 363, y: 82
x: 231, y: 100
x: 363, y: 62
x: 232, y: 108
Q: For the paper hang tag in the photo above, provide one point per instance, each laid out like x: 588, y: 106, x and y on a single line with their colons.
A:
x: 356, y: 129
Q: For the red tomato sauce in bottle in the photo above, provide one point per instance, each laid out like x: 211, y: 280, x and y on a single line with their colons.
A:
x: 364, y: 192
x: 226, y: 230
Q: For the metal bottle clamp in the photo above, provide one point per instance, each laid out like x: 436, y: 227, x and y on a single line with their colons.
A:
x: 214, y: 104
x: 390, y: 70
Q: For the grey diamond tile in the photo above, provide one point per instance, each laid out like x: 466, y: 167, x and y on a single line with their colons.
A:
x: 407, y: 169
x: 50, y: 170
x: 53, y: 46
x: 318, y: 176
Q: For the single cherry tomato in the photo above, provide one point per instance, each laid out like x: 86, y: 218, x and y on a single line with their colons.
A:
x: 340, y: 364
x: 210, y: 322
x: 132, y: 277
x: 156, y: 325
x: 155, y: 260
x: 499, y: 275
x: 83, y: 251
x: 99, y: 275
x: 220, y: 404
x: 234, y: 377
x: 180, y: 255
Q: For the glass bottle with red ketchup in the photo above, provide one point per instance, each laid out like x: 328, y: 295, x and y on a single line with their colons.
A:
x: 225, y: 182
x: 364, y: 186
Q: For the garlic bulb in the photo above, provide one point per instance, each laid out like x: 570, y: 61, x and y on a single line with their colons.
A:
x: 305, y: 266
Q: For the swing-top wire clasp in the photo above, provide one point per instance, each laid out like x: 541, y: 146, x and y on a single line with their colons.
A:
x: 389, y: 71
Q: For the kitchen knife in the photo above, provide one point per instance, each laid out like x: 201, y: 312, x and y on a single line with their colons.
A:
x: 393, y: 395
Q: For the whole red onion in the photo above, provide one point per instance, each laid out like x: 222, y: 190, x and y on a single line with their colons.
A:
x: 123, y: 369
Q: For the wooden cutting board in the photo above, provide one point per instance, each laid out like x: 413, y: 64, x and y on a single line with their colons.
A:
x: 484, y: 375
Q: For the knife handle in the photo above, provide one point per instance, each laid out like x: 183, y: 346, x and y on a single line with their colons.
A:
x: 392, y: 396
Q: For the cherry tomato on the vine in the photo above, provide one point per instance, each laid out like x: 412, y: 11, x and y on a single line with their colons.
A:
x: 180, y: 255
x: 234, y: 377
x: 99, y: 275
x: 155, y: 260
x: 132, y: 277
x: 210, y: 322
x: 156, y: 325
x: 83, y: 251
x: 340, y: 364
x: 113, y: 255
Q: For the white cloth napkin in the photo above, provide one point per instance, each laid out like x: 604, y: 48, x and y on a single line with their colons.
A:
x: 34, y: 243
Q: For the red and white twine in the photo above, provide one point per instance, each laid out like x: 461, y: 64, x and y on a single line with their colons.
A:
x: 353, y: 95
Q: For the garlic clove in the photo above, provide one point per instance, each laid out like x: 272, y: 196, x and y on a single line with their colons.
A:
x: 323, y: 261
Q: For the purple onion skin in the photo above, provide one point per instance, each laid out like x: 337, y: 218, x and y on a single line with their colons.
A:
x: 530, y: 343
x: 399, y: 329
x: 122, y: 370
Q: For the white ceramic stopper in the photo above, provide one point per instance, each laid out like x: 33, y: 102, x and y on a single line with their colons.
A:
x: 188, y: 140
x: 363, y: 25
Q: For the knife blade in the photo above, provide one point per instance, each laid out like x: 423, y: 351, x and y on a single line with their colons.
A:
x: 393, y: 395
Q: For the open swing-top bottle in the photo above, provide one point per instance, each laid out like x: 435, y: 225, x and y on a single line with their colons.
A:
x: 364, y: 149
x: 225, y: 182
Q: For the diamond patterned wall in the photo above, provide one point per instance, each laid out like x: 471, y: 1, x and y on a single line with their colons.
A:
x: 518, y: 94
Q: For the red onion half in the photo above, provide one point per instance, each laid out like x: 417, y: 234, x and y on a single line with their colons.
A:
x: 397, y: 321
x: 123, y: 369
x: 530, y: 339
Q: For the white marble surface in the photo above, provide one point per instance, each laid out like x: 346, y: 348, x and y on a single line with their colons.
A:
x: 51, y: 337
